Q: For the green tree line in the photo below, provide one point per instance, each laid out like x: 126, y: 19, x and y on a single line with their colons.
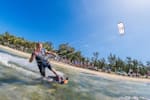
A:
x: 70, y: 55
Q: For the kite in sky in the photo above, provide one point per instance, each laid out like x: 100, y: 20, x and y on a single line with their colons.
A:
x: 121, y: 28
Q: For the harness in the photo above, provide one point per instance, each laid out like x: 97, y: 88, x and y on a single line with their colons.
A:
x: 41, y: 57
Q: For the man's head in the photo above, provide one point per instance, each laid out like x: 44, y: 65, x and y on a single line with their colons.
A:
x: 39, y: 45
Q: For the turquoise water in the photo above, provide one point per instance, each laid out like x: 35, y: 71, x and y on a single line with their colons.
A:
x: 19, y: 81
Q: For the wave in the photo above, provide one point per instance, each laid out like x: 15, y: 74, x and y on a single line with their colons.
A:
x: 6, y: 60
x: 133, y: 98
x: 22, y: 65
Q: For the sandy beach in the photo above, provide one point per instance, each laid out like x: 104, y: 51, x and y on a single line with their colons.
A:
x: 101, y: 74
x: 16, y: 52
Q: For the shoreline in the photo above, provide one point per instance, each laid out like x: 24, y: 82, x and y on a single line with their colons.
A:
x: 15, y: 52
x: 100, y: 74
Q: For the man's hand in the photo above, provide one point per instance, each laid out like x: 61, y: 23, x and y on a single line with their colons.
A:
x: 55, y: 54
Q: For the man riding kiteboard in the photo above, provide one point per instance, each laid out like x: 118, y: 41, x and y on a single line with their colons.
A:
x: 40, y: 55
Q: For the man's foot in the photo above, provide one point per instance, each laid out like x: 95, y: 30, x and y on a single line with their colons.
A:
x: 44, y: 78
x: 57, y: 78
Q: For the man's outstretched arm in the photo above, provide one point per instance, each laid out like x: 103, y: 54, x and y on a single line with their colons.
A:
x: 52, y: 53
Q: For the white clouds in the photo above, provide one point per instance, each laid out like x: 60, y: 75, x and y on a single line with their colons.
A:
x: 132, y: 7
x: 110, y: 7
x: 136, y: 4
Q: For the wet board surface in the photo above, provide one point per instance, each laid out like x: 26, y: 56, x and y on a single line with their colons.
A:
x: 55, y: 79
x: 52, y: 78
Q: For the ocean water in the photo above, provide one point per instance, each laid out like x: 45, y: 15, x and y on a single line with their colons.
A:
x: 19, y: 80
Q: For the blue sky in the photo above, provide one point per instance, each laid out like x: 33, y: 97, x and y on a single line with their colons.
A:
x: 88, y: 25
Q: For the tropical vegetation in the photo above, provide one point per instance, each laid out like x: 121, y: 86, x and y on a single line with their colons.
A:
x: 70, y: 55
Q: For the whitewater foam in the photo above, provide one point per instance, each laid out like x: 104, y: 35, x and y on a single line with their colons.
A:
x: 133, y: 98
x: 22, y: 65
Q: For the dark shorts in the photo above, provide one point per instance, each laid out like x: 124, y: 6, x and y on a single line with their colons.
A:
x: 42, y: 67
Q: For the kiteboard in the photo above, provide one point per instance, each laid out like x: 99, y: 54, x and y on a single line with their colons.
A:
x: 60, y: 80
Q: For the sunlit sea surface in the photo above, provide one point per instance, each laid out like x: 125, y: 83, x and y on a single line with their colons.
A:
x: 20, y: 80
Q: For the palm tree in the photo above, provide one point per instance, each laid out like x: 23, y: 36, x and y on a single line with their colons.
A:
x: 148, y: 66
x: 119, y: 65
x: 83, y: 61
x: 67, y: 52
x: 135, y: 65
x: 143, y: 71
x: 48, y: 45
x: 87, y: 62
x: 62, y: 50
x: 79, y: 57
x: 12, y: 39
x: 6, y: 37
x: 148, y: 63
x: 70, y: 52
x: 95, y: 59
x: 112, y: 61
x: 101, y: 63
x: 96, y: 55
x: 1, y: 39
x: 129, y: 64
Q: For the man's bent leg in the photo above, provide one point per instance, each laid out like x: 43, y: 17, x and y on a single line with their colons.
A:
x: 42, y: 70
x: 50, y: 68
